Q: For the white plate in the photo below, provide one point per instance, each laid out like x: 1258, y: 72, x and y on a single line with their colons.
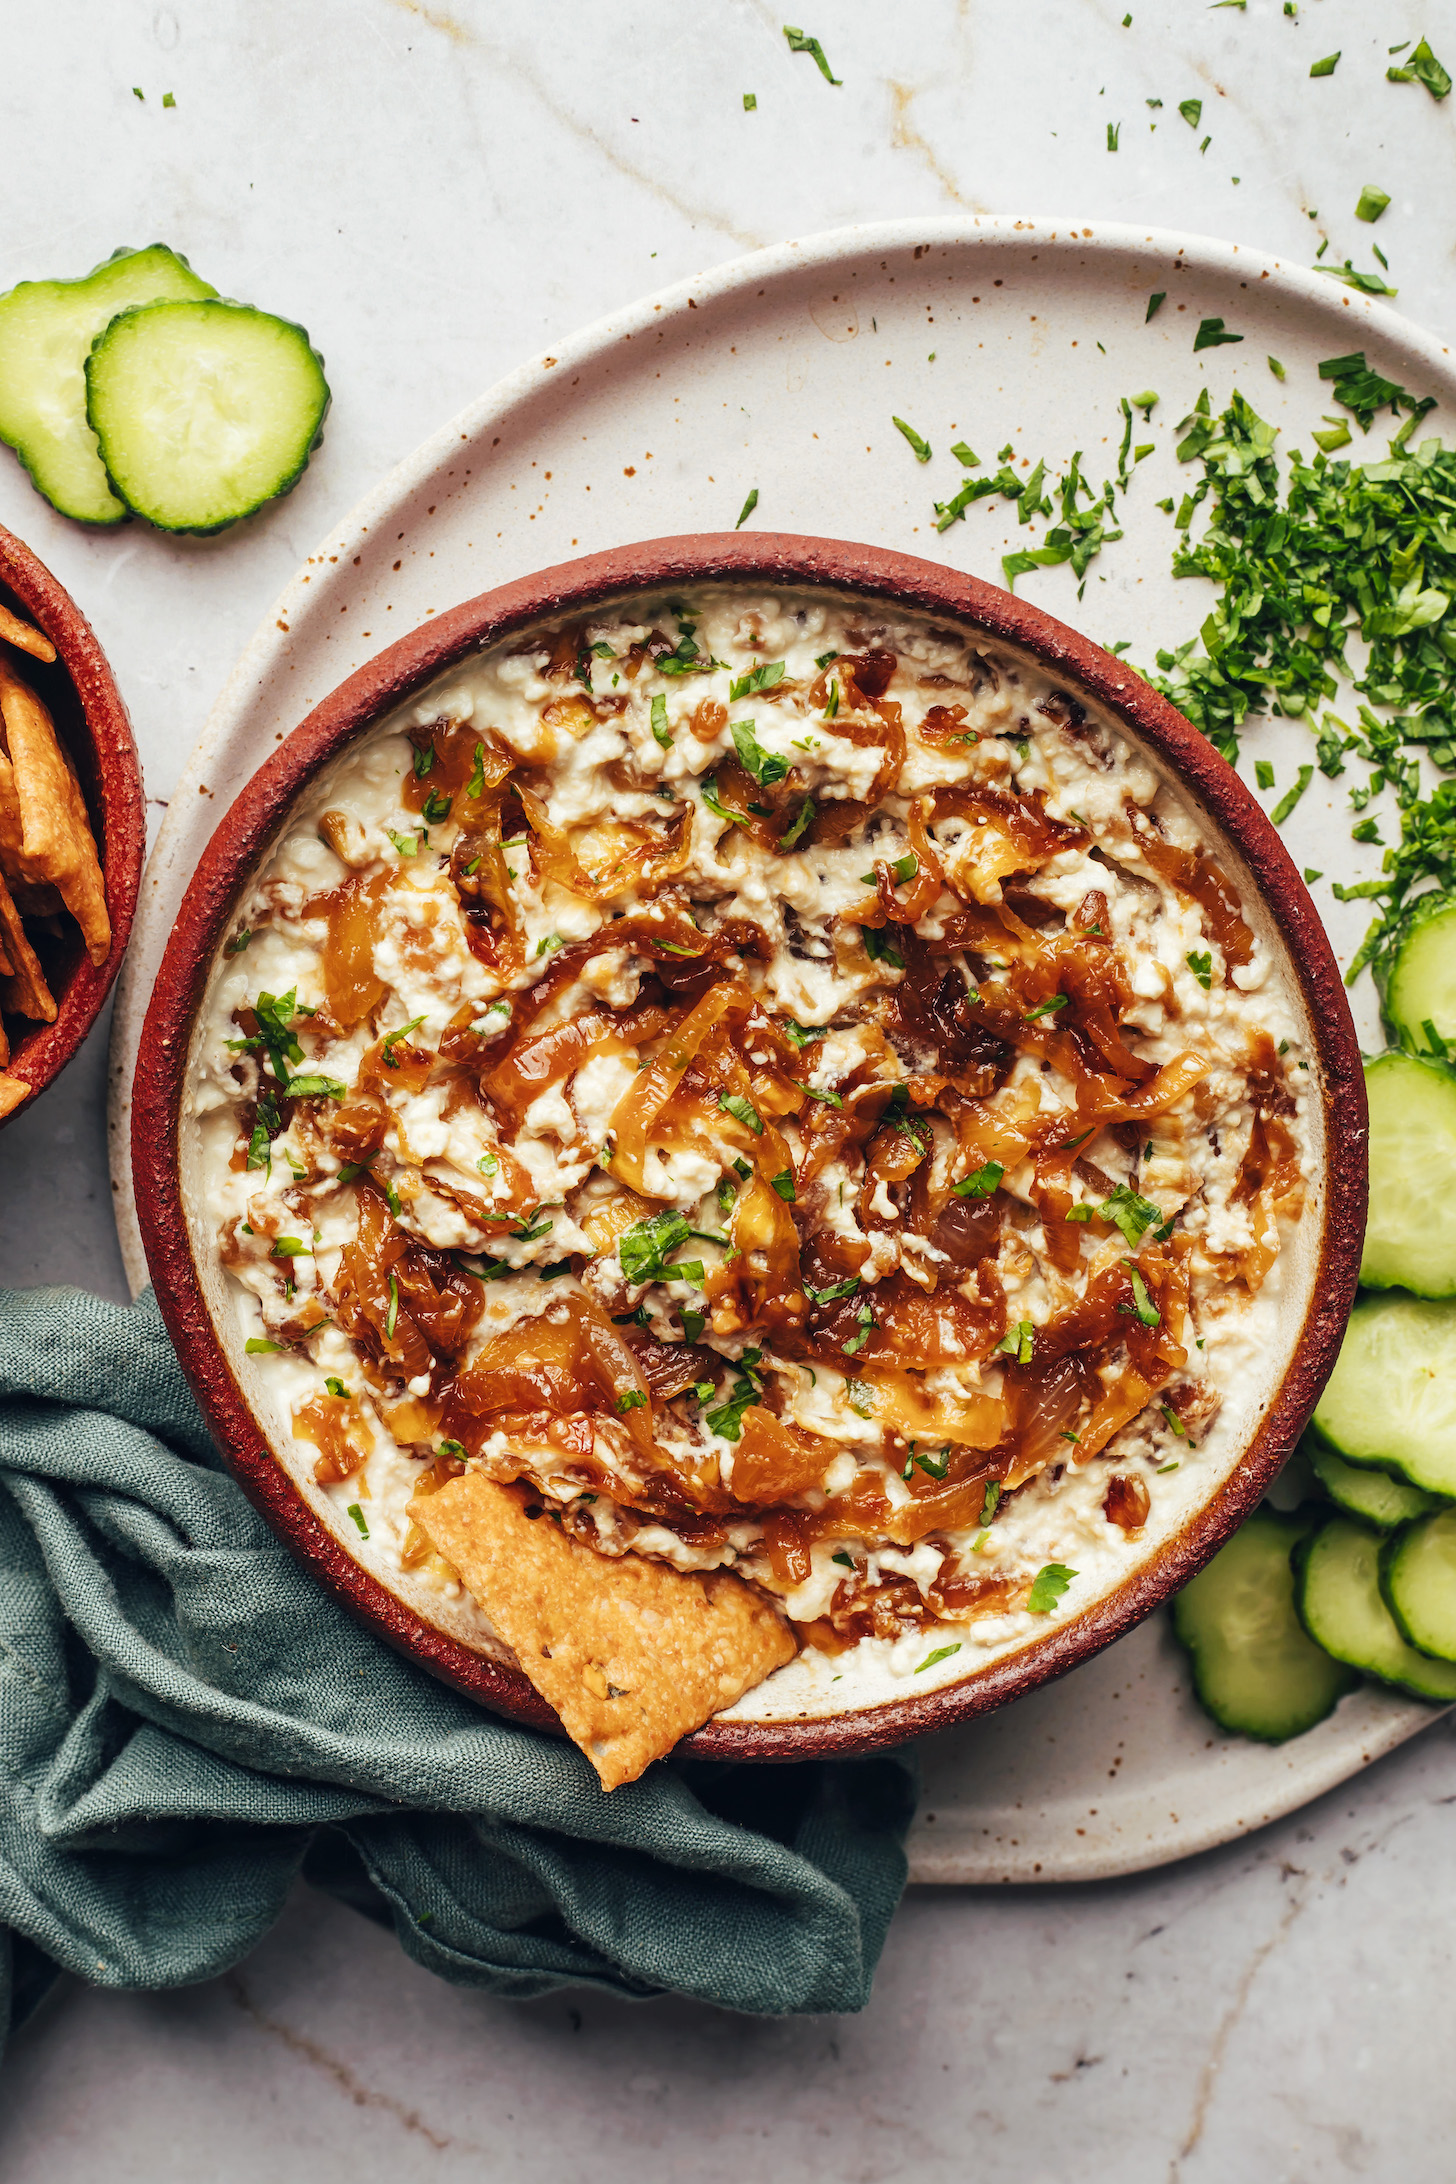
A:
x: 782, y: 373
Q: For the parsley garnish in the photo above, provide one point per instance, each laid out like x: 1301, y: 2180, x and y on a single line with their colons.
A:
x: 406, y: 844
x: 475, y: 786
x: 880, y: 948
x: 239, y: 941
x: 1327, y: 66
x: 1018, y: 1343
x: 767, y: 676
x: 357, y: 1514
x: 1422, y: 67
x: 1372, y: 203
x: 727, y: 1418
x: 795, y: 832
x: 799, y: 43
x: 708, y: 791
x: 254, y: 1347
x: 1142, y: 1306
x: 742, y: 1110
x: 752, y: 501
x: 1050, y: 1582
x: 1155, y: 304
x: 1291, y: 797
x: 424, y: 759
x: 783, y: 1183
x: 387, y: 1054
x: 802, y: 1035
x: 1192, y: 111
x: 1200, y: 963
x: 941, y: 1653
x: 436, y: 808
x: 990, y: 1500
x: 766, y: 767
x: 980, y: 1185
x: 920, y: 447
x: 643, y: 1249
x: 1211, y: 334
x: 867, y: 1326
x: 317, y: 1088
x: 846, y: 1288
x: 634, y: 1399
x: 1046, y: 1008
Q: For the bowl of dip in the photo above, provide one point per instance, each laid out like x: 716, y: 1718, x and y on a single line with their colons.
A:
x: 796, y: 1069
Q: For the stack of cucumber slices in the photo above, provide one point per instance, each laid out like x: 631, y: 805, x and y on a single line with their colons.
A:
x: 1287, y: 1616
x: 138, y: 390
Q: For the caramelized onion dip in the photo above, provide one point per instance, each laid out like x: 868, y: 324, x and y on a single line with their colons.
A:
x: 786, y: 1083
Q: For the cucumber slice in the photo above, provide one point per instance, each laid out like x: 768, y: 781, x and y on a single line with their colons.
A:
x: 1410, y: 1240
x: 203, y: 411
x: 1371, y: 1495
x: 1337, y: 1592
x: 1390, y: 1402
x: 1418, y: 1580
x: 1421, y: 986
x: 46, y: 332
x: 1254, y: 1668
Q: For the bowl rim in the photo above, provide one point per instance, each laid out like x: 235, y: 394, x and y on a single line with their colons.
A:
x: 245, y: 832
x: 118, y: 802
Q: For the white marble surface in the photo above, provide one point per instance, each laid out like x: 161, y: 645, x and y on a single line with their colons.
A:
x: 438, y: 193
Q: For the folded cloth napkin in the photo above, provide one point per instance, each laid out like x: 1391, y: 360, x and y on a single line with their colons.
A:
x: 187, y: 1721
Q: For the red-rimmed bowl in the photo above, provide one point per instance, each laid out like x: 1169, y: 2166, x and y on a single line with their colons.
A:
x: 1324, y: 1257
x: 91, y: 720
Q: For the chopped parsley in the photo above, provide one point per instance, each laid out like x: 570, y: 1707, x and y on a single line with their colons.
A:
x: 1018, y: 1343
x: 1130, y: 1214
x: 1046, y: 1008
x: 939, y: 1653
x: 1327, y: 66
x: 424, y: 759
x: 991, y: 1499
x: 1422, y: 67
x: 727, y: 1417
x: 1142, y: 1306
x: 1050, y: 1582
x: 830, y: 1099
x: 386, y: 1053
x: 1212, y: 334
x: 1114, y: 131
x: 742, y: 1110
x: 531, y: 1229
x: 239, y: 941
x: 634, y: 1399
x: 1155, y: 304
x: 748, y: 506
x: 867, y: 1324
x: 708, y: 791
x: 406, y: 844
x: 766, y: 767
x: 1192, y: 111
x: 357, y: 1514
x: 660, y: 730
x: 766, y: 676
x: 880, y: 948
x: 1372, y: 203
x: 802, y: 1035
x: 475, y: 786
x: 436, y: 808
x: 255, y: 1347
x: 920, y: 447
x: 1200, y: 963
x: 799, y: 43
x: 846, y: 1288
x: 391, y: 1317
x: 980, y: 1185
x: 794, y: 833
x: 783, y: 1183
x: 1291, y: 797
x: 317, y: 1088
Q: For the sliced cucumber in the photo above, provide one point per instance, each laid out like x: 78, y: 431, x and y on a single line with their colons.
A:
x: 1254, y: 1668
x: 1420, y: 990
x: 46, y: 332
x: 1372, y: 1495
x: 1337, y: 1592
x: 1418, y: 1580
x: 1391, y: 1400
x: 203, y: 411
x: 1410, y: 1239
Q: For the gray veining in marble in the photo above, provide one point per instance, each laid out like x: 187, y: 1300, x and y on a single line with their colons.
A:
x: 438, y: 192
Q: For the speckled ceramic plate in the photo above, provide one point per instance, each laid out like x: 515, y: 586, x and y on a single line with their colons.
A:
x: 781, y: 375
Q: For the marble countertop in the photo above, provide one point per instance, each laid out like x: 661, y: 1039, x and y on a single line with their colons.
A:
x: 438, y: 191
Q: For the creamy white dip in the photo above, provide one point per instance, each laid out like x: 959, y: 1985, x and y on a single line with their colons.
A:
x: 756, y: 787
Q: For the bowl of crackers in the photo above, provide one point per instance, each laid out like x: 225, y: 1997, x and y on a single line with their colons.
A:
x: 72, y: 826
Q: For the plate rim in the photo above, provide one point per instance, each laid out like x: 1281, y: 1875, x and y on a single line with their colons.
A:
x: 823, y: 252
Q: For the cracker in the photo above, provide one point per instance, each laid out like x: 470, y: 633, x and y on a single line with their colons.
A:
x: 56, y: 839
x: 630, y: 1653
x: 24, y: 992
x: 25, y: 636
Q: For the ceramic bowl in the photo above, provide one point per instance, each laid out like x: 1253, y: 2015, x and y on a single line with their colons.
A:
x: 1323, y: 1258
x: 91, y: 721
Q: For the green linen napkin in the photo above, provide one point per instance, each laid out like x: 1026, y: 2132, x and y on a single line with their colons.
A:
x: 187, y: 1721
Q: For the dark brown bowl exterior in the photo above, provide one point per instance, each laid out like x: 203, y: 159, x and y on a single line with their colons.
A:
x: 244, y: 836
x: 91, y: 721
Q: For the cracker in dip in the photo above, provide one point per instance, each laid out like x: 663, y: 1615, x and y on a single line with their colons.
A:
x: 780, y: 1085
